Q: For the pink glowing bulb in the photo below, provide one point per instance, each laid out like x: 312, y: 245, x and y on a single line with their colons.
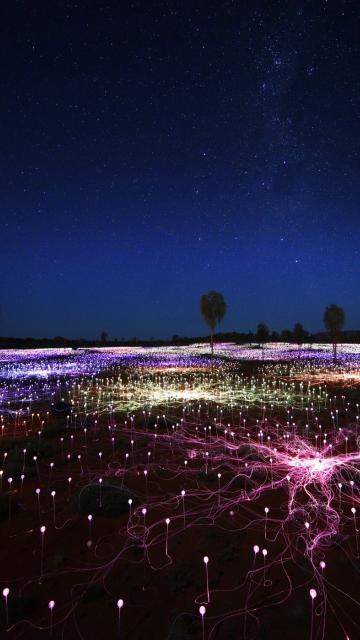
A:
x: 120, y: 603
x: 51, y: 605
x: 5, y: 593
x: 313, y: 594
x: 206, y: 560
x: 42, y: 531
x: 202, y: 611
x: 256, y: 549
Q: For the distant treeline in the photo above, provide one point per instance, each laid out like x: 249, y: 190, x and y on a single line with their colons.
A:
x: 239, y: 338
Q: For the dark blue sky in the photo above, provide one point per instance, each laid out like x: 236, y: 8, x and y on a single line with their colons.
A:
x: 152, y: 151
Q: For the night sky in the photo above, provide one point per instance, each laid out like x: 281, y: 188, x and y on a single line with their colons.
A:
x: 152, y: 151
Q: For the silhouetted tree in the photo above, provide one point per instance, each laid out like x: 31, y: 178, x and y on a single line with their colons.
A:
x: 262, y: 334
x: 104, y: 336
x: 286, y: 335
x: 213, y: 309
x: 334, y: 318
x: 299, y: 333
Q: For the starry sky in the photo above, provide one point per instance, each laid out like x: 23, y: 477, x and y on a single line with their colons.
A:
x: 151, y: 151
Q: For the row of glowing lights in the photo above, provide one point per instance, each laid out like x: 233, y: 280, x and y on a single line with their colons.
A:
x: 62, y: 362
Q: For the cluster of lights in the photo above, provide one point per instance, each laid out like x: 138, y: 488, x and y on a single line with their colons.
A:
x: 228, y: 441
